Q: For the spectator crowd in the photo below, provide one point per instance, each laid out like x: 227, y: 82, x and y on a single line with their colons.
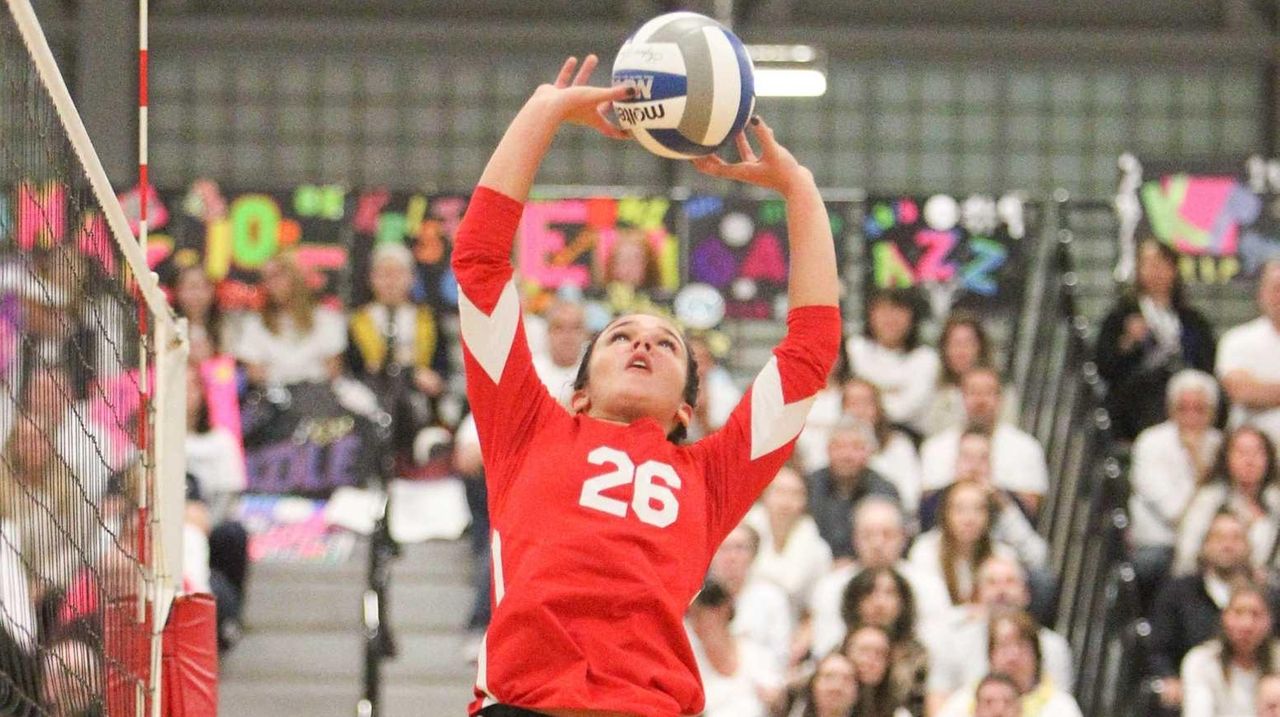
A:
x: 892, y: 568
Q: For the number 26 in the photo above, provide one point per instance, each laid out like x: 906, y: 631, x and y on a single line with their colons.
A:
x: 653, y: 503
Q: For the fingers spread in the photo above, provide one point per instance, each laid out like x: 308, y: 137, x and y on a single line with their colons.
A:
x: 566, y: 72
x: 588, y: 66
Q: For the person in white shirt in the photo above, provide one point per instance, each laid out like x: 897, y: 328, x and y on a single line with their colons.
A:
x: 962, y: 541
x: 717, y: 393
x: 879, y: 539
x: 1268, y: 704
x: 762, y: 612
x: 1018, y: 462
x: 792, y: 554
x: 892, y: 356
x: 895, y: 457
x: 740, y: 678
x: 292, y: 340
x: 1170, y: 461
x: 881, y: 599
x: 1220, y: 677
x: 1246, y: 482
x: 964, y: 346
x: 958, y: 650
x: 566, y: 339
x: 1247, y: 363
x: 1014, y: 650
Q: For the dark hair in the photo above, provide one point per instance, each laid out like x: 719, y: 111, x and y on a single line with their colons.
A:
x: 214, y: 320
x: 948, y: 555
x: 690, y: 395
x: 1265, y: 652
x: 1269, y: 474
x: 1028, y: 630
x: 874, y: 700
x: 1178, y: 295
x: 810, y: 706
x: 862, y: 585
x: 956, y: 320
x: 905, y: 298
x: 713, y: 595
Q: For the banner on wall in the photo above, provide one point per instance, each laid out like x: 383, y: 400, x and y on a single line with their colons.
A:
x: 738, y: 247
x: 425, y: 223
x: 1223, y: 218
x: 49, y: 214
x: 967, y: 252
x: 596, y: 246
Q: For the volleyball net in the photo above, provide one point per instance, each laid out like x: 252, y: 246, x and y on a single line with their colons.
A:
x: 92, y: 413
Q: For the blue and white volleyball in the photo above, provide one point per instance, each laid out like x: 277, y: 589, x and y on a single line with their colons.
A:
x: 694, y: 85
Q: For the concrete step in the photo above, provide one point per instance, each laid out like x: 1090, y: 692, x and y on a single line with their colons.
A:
x: 338, y: 657
x: 317, y: 698
x: 280, y: 605
x: 435, y: 562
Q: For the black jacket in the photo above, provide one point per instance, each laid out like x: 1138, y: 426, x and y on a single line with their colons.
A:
x: 833, y: 511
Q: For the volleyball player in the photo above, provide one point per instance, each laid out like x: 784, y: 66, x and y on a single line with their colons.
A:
x: 603, y: 523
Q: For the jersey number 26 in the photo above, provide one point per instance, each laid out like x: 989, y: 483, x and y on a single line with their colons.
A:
x: 653, y: 502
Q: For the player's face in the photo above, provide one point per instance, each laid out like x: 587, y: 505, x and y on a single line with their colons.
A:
x: 996, y: 699
x: 638, y: 369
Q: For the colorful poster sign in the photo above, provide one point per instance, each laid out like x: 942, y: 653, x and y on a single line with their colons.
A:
x: 969, y: 253
x: 425, y: 223
x: 738, y: 246
x: 1222, y: 219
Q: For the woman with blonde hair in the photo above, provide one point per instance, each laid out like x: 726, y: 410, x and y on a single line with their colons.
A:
x: 291, y: 339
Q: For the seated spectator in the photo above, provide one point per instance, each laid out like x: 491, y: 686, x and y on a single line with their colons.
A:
x: 566, y: 340
x: 997, y: 696
x: 740, y: 678
x: 962, y: 541
x: 958, y: 652
x: 1220, y: 677
x: 1187, y: 608
x: 831, y: 692
x: 826, y: 411
x: 195, y: 299
x: 1170, y: 461
x: 761, y: 612
x: 1014, y: 650
x: 896, y: 458
x: 291, y: 340
x: 1269, y: 695
x: 869, y: 648
x: 880, y: 598
x: 1017, y: 460
x: 214, y: 457
x: 879, y: 539
x: 1151, y: 333
x: 717, y: 393
x: 792, y: 553
x: 396, y: 349
x: 892, y: 357
x: 964, y: 345
x: 72, y: 684
x: 1247, y: 362
x: 1244, y: 481
x: 847, y: 479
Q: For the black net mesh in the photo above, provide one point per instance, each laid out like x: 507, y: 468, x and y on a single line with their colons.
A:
x: 74, y: 466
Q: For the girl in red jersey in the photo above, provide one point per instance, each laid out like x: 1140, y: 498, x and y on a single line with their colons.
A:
x: 603, y: 525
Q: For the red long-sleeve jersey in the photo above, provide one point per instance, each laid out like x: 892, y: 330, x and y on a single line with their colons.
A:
x: 602, y: 533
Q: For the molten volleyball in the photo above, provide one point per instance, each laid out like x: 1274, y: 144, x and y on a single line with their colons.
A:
x: 694, y: 85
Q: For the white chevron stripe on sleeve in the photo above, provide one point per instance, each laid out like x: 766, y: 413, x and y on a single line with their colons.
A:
x: 489, y: 336
x: 773, y: 422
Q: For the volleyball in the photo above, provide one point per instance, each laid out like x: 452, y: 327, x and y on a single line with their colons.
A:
x: 694, y: 85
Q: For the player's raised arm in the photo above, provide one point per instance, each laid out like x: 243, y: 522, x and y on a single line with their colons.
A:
x: 813, y: 279
x: 746, y: 454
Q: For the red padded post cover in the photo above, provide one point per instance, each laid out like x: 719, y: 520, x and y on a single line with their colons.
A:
x: 190, y: 658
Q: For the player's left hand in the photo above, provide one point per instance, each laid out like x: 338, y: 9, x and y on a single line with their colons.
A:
x: 773, y: 168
